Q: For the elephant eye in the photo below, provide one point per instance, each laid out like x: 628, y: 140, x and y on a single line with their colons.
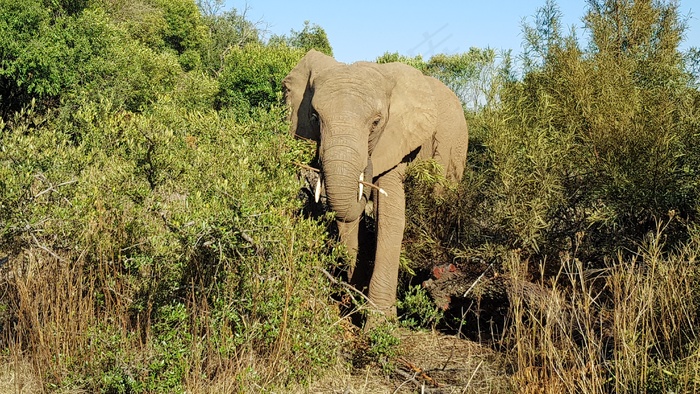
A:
x: 376, y: 121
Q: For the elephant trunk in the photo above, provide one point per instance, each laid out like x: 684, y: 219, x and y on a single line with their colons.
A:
x: 343, y: 172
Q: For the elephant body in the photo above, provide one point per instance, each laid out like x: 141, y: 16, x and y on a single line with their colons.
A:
x: 370, y: 120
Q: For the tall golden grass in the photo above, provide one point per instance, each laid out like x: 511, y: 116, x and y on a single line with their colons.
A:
x: 630, y: 327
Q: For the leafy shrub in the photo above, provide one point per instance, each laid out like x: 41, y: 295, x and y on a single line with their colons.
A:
x: 383, y: 345
x: 417, y: 309
x: 143, y: 21
x: 228, y: 30
x: 312, y: 36
x: 179, y: 261
x: 195, y: 91
x: 185, y: 27
x: 595, y: 142
x: 44, y: 53
x: 252, y: 76
x: 132, y: 76
x: 62, y: 57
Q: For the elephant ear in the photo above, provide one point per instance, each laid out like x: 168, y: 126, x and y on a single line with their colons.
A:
x: 412, y: 116
x: 298, y: 91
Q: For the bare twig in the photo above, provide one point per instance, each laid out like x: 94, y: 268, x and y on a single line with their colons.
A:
x: 47, y: 250
x: 304, y: 166
x: 375, y: 187
x: 347, y: 286
x: 408, y: 379
x: 419, y: 372
x: 309, y: 140
x: 473, y: 374
x: 412, y: 378
x: 246, y: 237
x: 132, y: 246
x: 477, y: 280
x: 53, y: 188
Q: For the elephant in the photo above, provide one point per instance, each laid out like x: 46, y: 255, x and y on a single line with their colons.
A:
x: 369, y: 121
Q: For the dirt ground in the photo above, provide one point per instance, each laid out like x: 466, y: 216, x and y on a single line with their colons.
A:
x: 427, y: 362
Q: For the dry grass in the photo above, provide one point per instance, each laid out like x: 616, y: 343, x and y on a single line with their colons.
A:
x: 64, y: 333
x: 54, y: 302
x: 427, y: 361
x: 628, y: 328
x: 18, y: 377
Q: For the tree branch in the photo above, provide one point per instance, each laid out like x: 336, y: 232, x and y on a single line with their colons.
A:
x: 348, y: 287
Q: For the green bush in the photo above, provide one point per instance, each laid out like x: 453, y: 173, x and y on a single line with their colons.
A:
x: 142, y: 20
x: 312, y: 36
x: 195, y: 91
x: 185, y: 26
x: 227, y: 30
x: 131, y: 76
x: 188, y: 264
x: 66, y: 58
x: 252, y: 76
x: 417, y: 309
x: 594, y: 145
x: 43, y: 53
x: 383, y: 345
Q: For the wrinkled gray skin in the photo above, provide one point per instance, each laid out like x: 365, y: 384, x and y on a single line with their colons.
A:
x: 373, y: 119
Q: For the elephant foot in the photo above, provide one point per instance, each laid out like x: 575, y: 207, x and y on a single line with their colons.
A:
x: 375, y: 318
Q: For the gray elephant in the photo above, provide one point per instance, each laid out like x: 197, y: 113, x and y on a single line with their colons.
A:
x: 370, y: 120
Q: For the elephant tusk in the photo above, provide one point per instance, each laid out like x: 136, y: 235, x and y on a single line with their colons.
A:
x: 317, y: 192
x: 362, y: 178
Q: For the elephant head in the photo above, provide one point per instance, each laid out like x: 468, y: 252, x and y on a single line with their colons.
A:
x: 366, y: 118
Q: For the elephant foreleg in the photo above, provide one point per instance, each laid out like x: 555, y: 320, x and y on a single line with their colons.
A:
x: 391, y: 220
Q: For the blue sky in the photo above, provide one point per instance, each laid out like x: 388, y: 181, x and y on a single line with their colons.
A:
x: 365, y: 29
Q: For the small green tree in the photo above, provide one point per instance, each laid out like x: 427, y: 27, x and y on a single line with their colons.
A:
x: 186, y: 29
x: 416, y: 62
x: 227, y: 30
x: 312, y: 36
x: 46, y: 50
x: 598, y: 140
x: 252, y: 76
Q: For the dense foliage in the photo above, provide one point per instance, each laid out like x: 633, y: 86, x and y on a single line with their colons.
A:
x: 151, y: 239
x: 582, y: 196
x: 149, y: 233
x: 614, y: 125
